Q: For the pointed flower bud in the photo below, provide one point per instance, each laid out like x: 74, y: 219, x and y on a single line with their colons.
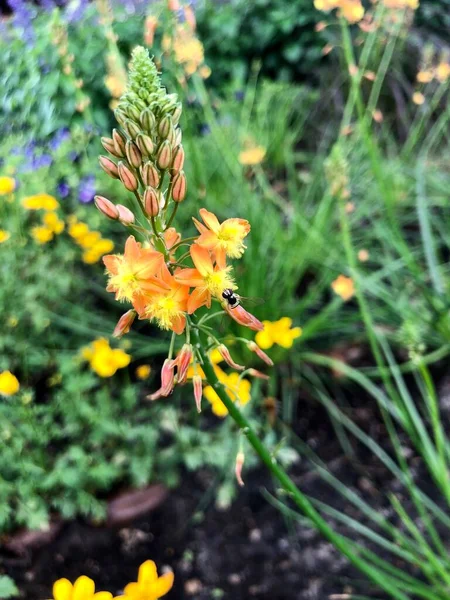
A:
x: 106, y: 207
x: 179, y: 187
x: 124, y: 323
x: 127, y: 177
x: 172, y: 137
x: 178, y: 159
x: 108, y: 145
x: 109, y: 166
x: 240, y: 458
x: 151, y: 202
x: 183, y: 361
x: 126, y: 217
x: 120, y: 116
x: 145, y: 144
x: 148, y: 121
x: 178, y: 137
x: 119, y: 143
x: 167, y: 380
x: 131, y: 128
x: 149, y: 174
x: 198, y: 391
x: 257, y: 374
x: 177, y: 114
x: 132, y: 112
x: 164, y: 126
x: 253, y: 346
x: 133, y: 153
x: 243, y: 317
x: 164, y: 156
x: 225, y: 354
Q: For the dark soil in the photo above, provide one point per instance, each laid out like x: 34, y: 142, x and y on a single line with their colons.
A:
x: 248, y: 551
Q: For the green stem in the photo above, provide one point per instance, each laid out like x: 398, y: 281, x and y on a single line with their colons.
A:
x: 172, y: 216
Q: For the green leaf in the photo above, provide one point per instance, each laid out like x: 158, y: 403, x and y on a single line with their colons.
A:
x: 8, y: 588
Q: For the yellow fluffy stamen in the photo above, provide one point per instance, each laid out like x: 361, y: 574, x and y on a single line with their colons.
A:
x: 126, y: 282
x: 164, y: 309
x: 218, y: 281
x: 230, y: 239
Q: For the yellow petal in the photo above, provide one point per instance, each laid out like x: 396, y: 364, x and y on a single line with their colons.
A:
x: 83, y: 588
x: 264, y: 338
x: 102, y: 596
x: 147, y: 572
x: 62, y: 589
x: 162, y: 585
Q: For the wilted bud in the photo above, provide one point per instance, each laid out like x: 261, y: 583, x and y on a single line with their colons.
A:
x: 253, y: 346
x: 164, y: 126
x: 106, y: 207
x: 178, y: 159
x: 164, y: 156
x: 183, y: 361
x: 148, y: 120
x: 145, y: 144
x: 198, y: 391
x: 150, y: 175
x: 179, y: 187
x: 177, y: 114
x: 257, y: 374
x: 225, y: 354
x: 124, y: 323
x: 151, y: 202
x: 131, y: 128
x: 167, y: 380
x: 240, y: 458
x: 119, y: 142
x: 109, y: 166
x: 108, y: 145
x: 243, y: 317
x: 120, y: 116
x: 126, y: 217
x: 133, y: 153
x: 128, y: 178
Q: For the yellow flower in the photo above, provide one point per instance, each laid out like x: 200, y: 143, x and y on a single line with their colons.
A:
x: 82, y: 589
x: 418, y: 98
x: 252, y: 156
x: 425, y: 76
x: 103, y: 246
x: 148, y: 586
x: 9, y: 384
x: 4, y: 236
x: 278, y: 332
x: 413, y: 4
x: 351, y: 10
x: 40, y: 202
x: 52, y: 221
x: 42, y: 234
x: 77, y: 230
x: 103, y: 359
x: 89, y: 239
x: 443, y: 71
x: 344, y: 287
x: 7, y: 185
x: 204, y: 72
x: 143, y: 372
x: 236, y: 389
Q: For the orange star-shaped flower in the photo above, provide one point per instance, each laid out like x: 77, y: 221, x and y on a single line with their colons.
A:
x: 224, y: 239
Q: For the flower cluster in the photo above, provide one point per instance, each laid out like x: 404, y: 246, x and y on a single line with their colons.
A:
x: 93, y: 244
x: 166, y: 279
x: 103, y: 359
x: 51, y: 224
x: 149, y: 586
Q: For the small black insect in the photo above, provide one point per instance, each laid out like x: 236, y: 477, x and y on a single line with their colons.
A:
x: 232, y: 298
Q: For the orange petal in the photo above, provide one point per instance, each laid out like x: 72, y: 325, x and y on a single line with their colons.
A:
x: 83, y: 588
x: 207, y: 239
x: 62, y: 589
x: 190, y: 277
x: 162, y: 585
x: 198, y: 298
x: 210, y: 220
x: 147, y: 572
x: 153, y: 284
x: 221, y: 259
x: 178, y: 325
x: 200, y: 227
x: 111, y: 261
x: 202, y: 259
x: 132, y: 248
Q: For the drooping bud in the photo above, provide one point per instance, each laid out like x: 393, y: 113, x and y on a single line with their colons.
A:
x: 179, y: 187
x: 109, y: 166
x: 126, y: 217
x: 243, y: 317
x: 164, y: 156
x: 124, y: 323
x: 148, y: 120
x: 183, y: 361
x: 131, y: 128
x: 106, y: 207
x: 145, y: 144
x: 133, y: 153
x: 253, y: 347
x: 178, y: 159
x: 164, y: 126
x: 151, y: 202
x: 198, y: 391
x: 119, y: 143
x: 225, y: 354
x: 127, y: 177
x: 149, y: 174
x: 167, y: 380
x: 257, y: 374
x: 108, y: 145
x: 240, y: 458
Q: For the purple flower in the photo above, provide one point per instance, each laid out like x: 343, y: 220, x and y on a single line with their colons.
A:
x: 60, y: 136
x: 86, y: 191
x: 63, y: 188
x: 74, y: 156
x: 44, y: 160
x: 75, y: 10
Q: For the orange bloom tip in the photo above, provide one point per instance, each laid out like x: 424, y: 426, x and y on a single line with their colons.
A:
x: 253, y: 346
x: 124, y: 323
x: 240, y: 458
x: 225, y: 354
x: 167, y: 380
x: 243, y: 317
x: 183, y: 361
x: 257, y: 374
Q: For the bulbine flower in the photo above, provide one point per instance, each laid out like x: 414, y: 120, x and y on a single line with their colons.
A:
x: 7, y: 185
x: 82, y: 589
x: 104, y: 360
x: 149, y: 585
x: 224, y: 239
x: 278, y: 332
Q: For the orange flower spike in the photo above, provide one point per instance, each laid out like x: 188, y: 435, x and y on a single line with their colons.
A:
x: 208, y: 280
x: 224, y: 239
x: 243, y: 317
x: 134, y: 273
x: 148, y: 586
x: 168, y: 306
x: 167, y: 380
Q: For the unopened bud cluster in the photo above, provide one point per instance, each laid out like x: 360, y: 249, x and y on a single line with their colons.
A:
x: 146, y: 150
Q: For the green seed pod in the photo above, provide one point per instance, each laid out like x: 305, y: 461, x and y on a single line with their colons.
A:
x: 132, y: 128
x: 109, y: 166
x: 119, y: 143
x: 148, y: 121
x: 133, y: 153
x: 149, y: 174
x: 179, y: 187
x: 127, y: 177
x: 164, y: 155
x: 145, y: 144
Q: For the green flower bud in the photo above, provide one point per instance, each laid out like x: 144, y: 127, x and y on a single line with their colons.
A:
x: 164, y: 126
x: 164, y: 155
x: 145, y: 144
x: 127, y: 177
x: 133, y: 112
x: 133, y: 153
x: 149, y: 174
x: 131, y: 128
x: 177, y: 114
x: 120, y: 116
x: 148, y: 121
